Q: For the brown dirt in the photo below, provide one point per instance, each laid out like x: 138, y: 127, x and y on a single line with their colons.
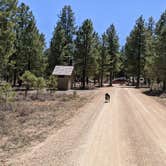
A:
x: 32, y: 121
x: 129, y: 131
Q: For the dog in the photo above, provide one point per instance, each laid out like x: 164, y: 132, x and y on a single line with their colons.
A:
x: 107, y: 98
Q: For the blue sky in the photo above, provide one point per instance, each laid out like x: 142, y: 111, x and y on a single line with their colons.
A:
x: 122, y: 13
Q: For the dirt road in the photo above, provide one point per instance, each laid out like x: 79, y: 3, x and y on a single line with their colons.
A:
x: 129, y: 131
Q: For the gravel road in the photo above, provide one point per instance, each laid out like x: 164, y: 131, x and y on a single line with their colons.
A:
x: 128, y: 131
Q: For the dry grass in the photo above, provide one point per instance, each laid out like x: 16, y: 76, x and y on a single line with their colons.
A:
x: 33, y: 120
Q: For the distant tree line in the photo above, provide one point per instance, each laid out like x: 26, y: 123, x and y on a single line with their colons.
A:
x: 144, y: 54
x: 21, y: 44
x: 92, y: 56
x: 95, y: 57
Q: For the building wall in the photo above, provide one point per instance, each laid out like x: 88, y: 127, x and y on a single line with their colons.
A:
x: 64, y: 83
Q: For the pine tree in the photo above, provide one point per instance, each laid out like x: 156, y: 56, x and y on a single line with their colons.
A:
x: 122, y: 63
x: 57, y: 48
x: 29, y: 45
x: 103, y: 58
x: 62, y: 43
x: 140, y: 33
x: 131, y: 60
x: 85, y: 56
x: 7, y: 34
x: 113, y: 49
x: 96, y: 52
x: 149, y: 68
x: 160, y: 60
x: 136, y: 49
x: 67, y: 21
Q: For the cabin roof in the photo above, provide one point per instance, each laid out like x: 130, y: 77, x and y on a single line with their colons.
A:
x: 63, y: 70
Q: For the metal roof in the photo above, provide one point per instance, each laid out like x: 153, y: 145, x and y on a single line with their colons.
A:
x: 63, y: 70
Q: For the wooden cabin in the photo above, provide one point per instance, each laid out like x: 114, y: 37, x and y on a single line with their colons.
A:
x: 64, y: 76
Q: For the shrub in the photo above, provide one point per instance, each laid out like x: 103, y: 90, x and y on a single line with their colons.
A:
x: 6, y: 95
x: 52, y: 83
x: 39, y: 85
x: 29, y: 79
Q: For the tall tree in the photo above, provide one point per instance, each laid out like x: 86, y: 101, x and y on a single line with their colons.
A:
x: 62, y: 43
x: 113, y: 49
x: 67, y: 21
x: 160, y: 60
x: 29, y: 44
x: 96, y: 53
x: 57, y: 48
x: 149, y: 72
x: 140, y: 34
x: 85, y: 56
x: 7, y: 34
x: 136, y: 49
x: 130, y: 54
x: 122, y: 63
x: 103, y: 57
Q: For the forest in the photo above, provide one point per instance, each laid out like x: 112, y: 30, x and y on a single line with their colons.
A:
x: 33, y: 109
x: 25, y: 59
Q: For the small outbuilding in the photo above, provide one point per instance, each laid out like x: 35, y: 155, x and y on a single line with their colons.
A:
x: 64, y: 75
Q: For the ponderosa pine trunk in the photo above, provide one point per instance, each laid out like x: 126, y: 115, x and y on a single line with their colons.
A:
x: 139, y: 64
x: 83, y: 79
x: 15, y: 78
x: 111, y: 78
x: 164, y: 85
x: 101, y: 81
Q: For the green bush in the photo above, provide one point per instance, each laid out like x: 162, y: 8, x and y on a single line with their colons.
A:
x: 6, y: 95
x: 29, y: 79
x: 39, y: 85
x: 52, y: 83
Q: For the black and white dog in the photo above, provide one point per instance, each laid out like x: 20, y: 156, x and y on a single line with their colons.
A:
x: 107, y: 98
